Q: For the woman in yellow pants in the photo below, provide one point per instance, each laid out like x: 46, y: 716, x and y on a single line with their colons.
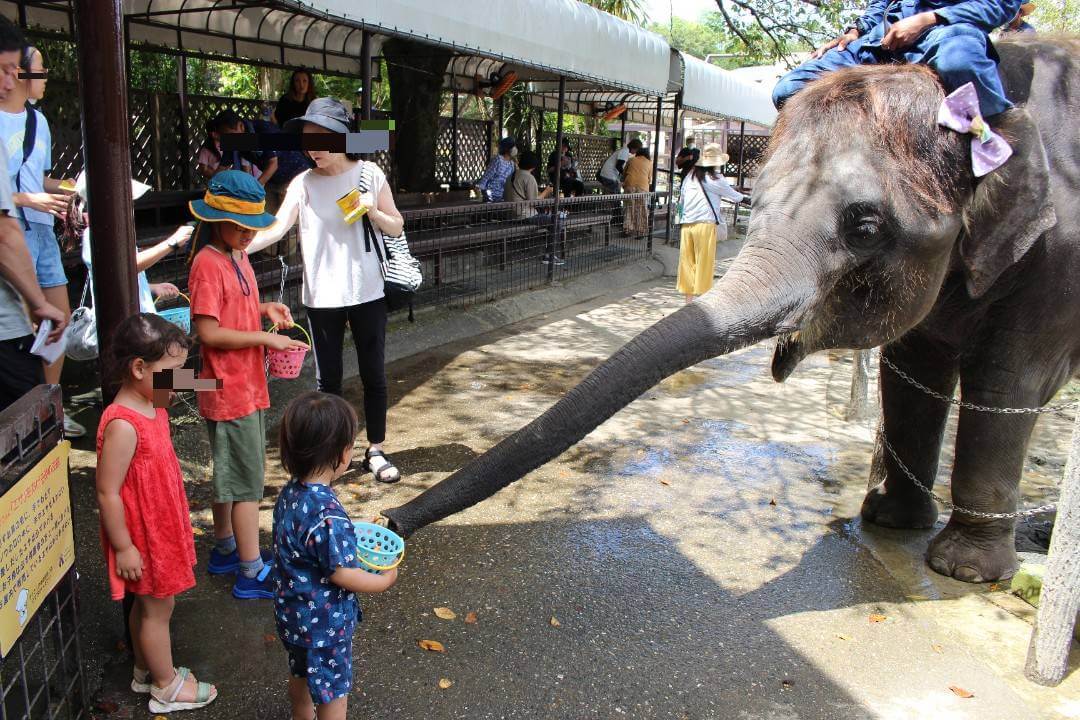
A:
x: 703, y: 187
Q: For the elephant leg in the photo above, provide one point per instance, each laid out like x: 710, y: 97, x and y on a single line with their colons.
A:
x: 990, y: 451
x: 913, y: 423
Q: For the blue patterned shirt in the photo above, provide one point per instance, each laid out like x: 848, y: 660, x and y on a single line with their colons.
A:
x: 494, y: 180
x: 313, y: 537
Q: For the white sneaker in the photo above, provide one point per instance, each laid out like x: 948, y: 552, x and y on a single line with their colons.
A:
x: 73, y: 429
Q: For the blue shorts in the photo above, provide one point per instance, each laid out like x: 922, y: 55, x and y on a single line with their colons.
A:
x: 328, y: 670
x: 45, y: 252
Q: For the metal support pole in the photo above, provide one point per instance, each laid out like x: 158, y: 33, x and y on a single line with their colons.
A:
x: 365, y: 69
x: 502, y: 118
x: 622, y: 129
x: 742, y: 153
x: 185, y: 138
x: 655, y: 171
x: 556, y: 226
x: 107, y: 148
x: 675, y: 132
x: 454, y: 140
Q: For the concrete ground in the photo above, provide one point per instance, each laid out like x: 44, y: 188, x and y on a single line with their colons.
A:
x: 694, y: 557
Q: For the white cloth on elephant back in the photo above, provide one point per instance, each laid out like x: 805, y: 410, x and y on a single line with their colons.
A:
x: 693, y: 204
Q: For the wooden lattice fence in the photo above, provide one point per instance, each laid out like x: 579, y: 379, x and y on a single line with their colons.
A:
x: 590, y: 151
x: 474, y: 150
x: 753, y: 153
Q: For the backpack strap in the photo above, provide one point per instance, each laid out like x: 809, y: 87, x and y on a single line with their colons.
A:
x: 29, y: 140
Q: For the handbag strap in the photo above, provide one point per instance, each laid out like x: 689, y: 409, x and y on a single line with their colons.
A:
x: 85, y: 289
x: 705, y: 192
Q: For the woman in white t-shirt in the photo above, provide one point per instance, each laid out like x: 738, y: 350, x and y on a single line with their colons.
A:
x: 702, y: 220
x: 343, y: 283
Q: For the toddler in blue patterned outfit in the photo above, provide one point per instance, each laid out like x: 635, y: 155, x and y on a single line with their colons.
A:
x: 315, y: 557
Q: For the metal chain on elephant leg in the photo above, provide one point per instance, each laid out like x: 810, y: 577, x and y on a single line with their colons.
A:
x: 952, y: 506
x: 972, y: 406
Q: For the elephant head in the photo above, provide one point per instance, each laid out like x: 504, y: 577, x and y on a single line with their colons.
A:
x: 862, y: 209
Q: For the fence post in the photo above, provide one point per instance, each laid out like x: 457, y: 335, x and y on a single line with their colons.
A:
x: 555, y: 224
x: 1059, y: 599
x: 655, y: 172
x: 185, y: 138
x: 454, y: 139
x: 155, y: 138
x: 742, y: 153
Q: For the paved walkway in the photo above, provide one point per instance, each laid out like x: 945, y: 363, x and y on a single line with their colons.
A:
x: 695, y: 557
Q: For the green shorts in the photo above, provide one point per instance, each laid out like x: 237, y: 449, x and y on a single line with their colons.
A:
x: 239, y: 451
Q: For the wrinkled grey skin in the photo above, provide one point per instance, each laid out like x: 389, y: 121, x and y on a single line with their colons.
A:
x: 839, y: 256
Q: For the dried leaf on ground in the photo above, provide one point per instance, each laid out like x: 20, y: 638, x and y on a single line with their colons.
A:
x: 445, y: 683
x: 772, y: 502
x: 843, y: 637
x: 555, y: 622
x: 994, y: 587
x: 431, y: 645
x: 937, y: 648
x: 269, y: 638
x: 470, y: 618
x: 445, y: 613
x: 877, y: 617
x: 664, y: 482
x: 961, y: 692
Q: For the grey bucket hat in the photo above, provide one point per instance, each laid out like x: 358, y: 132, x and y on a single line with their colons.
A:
x: 326, y: 113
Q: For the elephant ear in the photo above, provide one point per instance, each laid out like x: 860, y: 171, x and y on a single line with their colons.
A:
x: 1010, y: 208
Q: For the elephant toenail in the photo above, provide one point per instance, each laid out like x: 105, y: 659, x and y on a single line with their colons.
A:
x: 939, y: 565
x: 967, y: 573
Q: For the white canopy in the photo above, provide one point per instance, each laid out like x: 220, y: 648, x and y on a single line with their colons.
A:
x: 715, y: 92
x: 552, y: 37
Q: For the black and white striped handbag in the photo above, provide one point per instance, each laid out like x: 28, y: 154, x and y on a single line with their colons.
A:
x: 401, y: 272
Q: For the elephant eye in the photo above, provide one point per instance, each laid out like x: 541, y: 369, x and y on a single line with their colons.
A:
x: 863, y: 225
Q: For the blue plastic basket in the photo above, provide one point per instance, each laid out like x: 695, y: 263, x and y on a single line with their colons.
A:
x: 179, y: 316
x: 379, y: 549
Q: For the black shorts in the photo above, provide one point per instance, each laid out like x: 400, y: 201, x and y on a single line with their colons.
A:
x: 22, y: 371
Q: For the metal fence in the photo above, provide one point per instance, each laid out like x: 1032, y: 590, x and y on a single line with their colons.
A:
x: 41, y: 678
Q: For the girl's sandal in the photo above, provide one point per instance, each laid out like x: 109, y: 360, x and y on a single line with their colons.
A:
x: 164, y: 700
x: 140, y: 680
x: 387, y: 472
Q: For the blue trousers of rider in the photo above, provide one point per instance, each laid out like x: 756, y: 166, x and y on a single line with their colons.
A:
x: 959, y: 53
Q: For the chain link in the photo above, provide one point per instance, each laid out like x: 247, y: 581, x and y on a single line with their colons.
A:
x: 972, y: 406
x: 956, y: 508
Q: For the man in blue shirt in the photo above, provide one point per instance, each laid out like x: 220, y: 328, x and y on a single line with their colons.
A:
x: 950, y: 36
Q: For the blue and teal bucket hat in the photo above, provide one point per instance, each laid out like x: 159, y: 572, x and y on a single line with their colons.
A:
x: 234, y: 196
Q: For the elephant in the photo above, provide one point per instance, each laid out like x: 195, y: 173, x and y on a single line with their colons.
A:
x: 868, y: 228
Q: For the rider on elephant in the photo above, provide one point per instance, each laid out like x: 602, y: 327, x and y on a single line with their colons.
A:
x: 950, y: 36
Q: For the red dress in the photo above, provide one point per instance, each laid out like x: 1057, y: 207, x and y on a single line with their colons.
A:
x: 155, y: 509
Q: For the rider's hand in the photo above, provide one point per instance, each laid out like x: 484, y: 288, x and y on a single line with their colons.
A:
x: 839, y: 43
x: 906, y: 32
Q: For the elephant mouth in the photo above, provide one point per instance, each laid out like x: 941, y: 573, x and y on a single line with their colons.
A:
x: 790, y: 351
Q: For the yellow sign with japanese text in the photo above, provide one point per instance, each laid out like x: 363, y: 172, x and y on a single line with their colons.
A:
x: 36, y: 542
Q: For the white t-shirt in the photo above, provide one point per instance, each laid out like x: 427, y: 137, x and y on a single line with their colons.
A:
x: 338, y: 271
x: 693, y: 206
x: 608, y: 169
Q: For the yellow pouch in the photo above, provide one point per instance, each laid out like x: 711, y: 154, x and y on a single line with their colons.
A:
x: 351, y: 209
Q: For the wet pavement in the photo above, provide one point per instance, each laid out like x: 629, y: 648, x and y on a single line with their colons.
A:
x: 694, y: 557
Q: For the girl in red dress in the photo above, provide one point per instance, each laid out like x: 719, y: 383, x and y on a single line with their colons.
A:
x: 145, y: 522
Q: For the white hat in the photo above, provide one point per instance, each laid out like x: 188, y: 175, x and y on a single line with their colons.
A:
x: 138, y: 189
x: 712, y: 156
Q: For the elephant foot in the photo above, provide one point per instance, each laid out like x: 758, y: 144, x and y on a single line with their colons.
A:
x: 907, y: 510
x: 974, y: 553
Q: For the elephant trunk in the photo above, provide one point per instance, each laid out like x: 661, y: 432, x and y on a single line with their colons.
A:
x: 732, y: 316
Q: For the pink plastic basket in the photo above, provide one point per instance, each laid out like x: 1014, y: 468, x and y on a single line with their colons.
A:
x: 286, y: 364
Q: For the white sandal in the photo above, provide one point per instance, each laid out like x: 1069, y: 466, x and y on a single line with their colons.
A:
x: 140, y: 680
x: 163, y: 700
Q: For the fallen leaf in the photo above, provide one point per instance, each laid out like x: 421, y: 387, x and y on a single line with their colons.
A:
x: 994, y: 587
x: 686, y: 421
x: 269, y: 638
x: 445, y: 613
x: 197, y: 531
x: 842, y: 637
x: 470, y: 618
x: 431, y: 645
x: 937, y: 648
x: 445, y: 683
x: 160, y: 717
x: 961, y: 692
x: 876, y: 618
x: 554, y: 622
x: 772, y: 502
x: 786, y: 684
x: 664, y: 482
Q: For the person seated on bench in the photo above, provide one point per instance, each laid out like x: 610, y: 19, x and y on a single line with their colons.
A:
x: 569, y: 180
x: 521, y: 188
x: 950, y: 36
x: 498, y: 171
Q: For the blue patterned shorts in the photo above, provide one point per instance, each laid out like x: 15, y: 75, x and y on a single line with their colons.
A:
x: 328, y: 670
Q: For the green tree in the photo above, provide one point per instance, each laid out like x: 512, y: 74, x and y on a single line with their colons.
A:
x: 776, y: 29
x: 1057, y: 15
x: 632, y: 10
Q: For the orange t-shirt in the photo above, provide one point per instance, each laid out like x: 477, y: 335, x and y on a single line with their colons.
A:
x: 216, y: 291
